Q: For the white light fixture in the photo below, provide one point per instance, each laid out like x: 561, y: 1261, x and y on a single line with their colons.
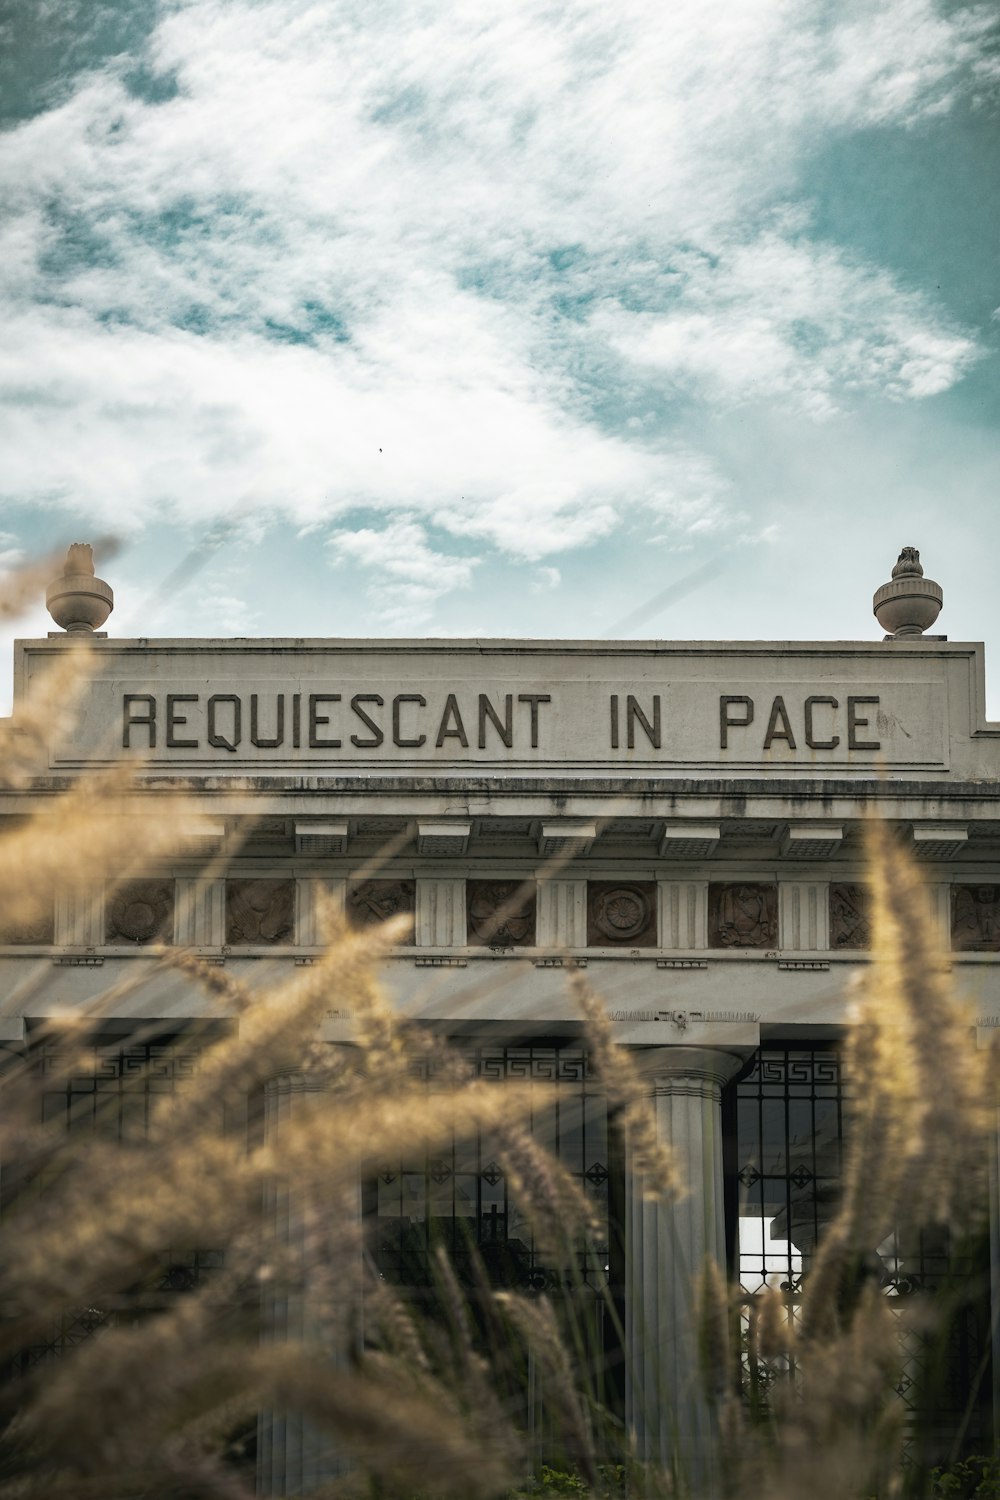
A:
x: 567, y: 838
x: 939, y: 840
x: 689, y: 840
x: 811, y: 840
x: 321, y: 838
x: 203, y: 835
x: 443, y: 838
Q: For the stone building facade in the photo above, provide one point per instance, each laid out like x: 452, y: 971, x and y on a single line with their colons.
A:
x: 685, y: 820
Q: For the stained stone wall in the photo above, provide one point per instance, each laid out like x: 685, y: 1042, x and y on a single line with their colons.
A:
x: 632, y: 917
x: 684, y: 821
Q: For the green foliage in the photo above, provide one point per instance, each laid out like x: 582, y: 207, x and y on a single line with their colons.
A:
x: 611, y: 1484
x: 976, y: 1478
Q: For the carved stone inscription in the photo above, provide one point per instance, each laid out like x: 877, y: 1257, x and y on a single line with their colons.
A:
x: 975, y: 918
x: 378, y: 721
x: 742, y: 916
x: 501, y: 913
x: 850, y: 917
x: 374, y: 901
x: 811, y: 723
x: 140, y: 912
x: 260, y: 911
x: 623, y: 915
x: 323, y: 721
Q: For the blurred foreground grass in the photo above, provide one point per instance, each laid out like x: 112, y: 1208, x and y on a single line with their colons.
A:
x: 163, y: 1370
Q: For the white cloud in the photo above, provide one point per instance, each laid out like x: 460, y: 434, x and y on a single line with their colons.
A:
x: 547, y: 578
x: 409, y: 576
x: 228, y: 614
x: 383, y: 257
x: 755, y: 323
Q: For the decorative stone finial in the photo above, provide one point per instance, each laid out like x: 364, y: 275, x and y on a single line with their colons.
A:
x: 911, y: 603
x: 908, y: 564
x: 78, y: 601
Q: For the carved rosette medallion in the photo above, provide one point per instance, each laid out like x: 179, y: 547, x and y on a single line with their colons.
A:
x: 39, y: 929
x: 621, y: 914
x: 850, y: 916
x: 260, y: 911
x: 375, y: 901
x: 742, y: 916
x: 975, y: 918
x: 501, y: 913
x: 140, y: 912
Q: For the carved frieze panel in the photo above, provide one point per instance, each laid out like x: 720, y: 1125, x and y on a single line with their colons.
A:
x: 372, y: 902
x: 40, y: 929
x: 260, y: 911
x: 975, y: 918
x: 850, y: 916
x: 742, y: 916
x: 142, y: 911
x: 501, y: 913
x: 623, y: 915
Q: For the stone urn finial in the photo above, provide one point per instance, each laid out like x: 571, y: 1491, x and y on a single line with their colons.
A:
x: 78, y: 601
x: 910, y: 603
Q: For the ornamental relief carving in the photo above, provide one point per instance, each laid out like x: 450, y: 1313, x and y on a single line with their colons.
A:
x: 742, y: 916
x: 142, y: 911
x: 501, y: 913
x: 850, y: 916
x: 621, y: 914
x: 40, y: 929
x: 260, y: 911
x: 975, y: 918
x: 374, y: 901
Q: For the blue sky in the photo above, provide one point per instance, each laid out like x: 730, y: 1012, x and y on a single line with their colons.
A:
x: 430, y: 318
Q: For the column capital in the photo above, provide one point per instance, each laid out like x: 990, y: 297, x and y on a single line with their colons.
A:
x: 293, y: 1083
x: 660, y: 1067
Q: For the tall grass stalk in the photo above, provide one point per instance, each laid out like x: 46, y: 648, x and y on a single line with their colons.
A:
x: 156, y: 1393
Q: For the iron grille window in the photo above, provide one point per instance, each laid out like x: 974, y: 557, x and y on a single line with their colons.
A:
x: 789, y: 1117
x: 116, y: 1087
x: 110, y: 1094
x: 790, y: 1128
x: 461, y: 1198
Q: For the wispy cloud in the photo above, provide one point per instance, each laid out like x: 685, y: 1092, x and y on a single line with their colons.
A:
x: 783, y: 317
x: 408, y: 576
x: 467, y: 268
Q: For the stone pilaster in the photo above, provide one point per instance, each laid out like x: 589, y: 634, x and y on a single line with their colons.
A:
x: 562, y: 914
x: 667, y: 1245
x: 200, y: 913
x: 293, y: 1454
x: 441, y: 912
x: 309, y: 893
x: 79, y: 921
x: 803, y: 915
x: 683, y: 913
x: 939, y: 898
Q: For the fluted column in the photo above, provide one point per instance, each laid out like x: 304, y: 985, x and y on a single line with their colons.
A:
x: 667, y: 1246
x: 293, y: 1454
x: 993, y: 1169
